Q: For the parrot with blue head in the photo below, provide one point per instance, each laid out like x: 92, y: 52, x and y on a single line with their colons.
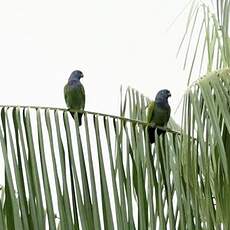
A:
x: 74, y: 94
x: 158, y: 114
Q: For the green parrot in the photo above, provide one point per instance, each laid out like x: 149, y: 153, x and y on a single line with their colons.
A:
x: 74, y: 93
x: 158, y: 113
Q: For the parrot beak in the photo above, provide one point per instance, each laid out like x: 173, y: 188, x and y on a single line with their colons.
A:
x: 169, y: 94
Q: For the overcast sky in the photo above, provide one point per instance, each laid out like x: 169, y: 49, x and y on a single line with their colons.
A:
x: 119, y: 42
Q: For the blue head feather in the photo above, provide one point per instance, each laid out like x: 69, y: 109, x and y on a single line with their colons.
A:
x: 162, y: 96
x: 75, y: 76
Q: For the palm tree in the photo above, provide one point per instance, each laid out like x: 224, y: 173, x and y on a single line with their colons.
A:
x: 106, y: 175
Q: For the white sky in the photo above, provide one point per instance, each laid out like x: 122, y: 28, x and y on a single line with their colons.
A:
x: 113, y: 42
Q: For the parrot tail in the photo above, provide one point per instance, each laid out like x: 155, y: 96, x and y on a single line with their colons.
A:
x: 151, y: 133
x: 79, y: 117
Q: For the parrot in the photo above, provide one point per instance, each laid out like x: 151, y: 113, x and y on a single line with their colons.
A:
x: 74, y: 94
x: 158, y: 114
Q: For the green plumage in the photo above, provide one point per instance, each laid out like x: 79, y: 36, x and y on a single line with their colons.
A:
x: 74, y: 94
x: 75, y: 97
x: 158, y: 114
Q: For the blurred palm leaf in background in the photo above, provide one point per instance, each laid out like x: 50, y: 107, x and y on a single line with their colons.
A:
x: 106, y: 175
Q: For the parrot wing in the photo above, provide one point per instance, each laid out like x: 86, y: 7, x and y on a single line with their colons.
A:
x: 150, y: 113
x: 82, y: 95
x: 75, y: 96
x: 75, y: 99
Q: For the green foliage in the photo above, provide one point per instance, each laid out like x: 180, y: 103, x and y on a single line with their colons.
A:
x: 100, y: 175
x: 107, y: 175
x: 205, y: 151
x: 206, y: 40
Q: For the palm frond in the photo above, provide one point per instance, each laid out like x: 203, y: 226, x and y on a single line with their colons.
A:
x: 207, y: 38
x: 205, y: 150
x: 102, y: 175
x: 105, y: 174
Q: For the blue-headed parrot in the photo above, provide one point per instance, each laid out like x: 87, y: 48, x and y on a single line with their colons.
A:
x: 75, y: 94
x: 158, y: 113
